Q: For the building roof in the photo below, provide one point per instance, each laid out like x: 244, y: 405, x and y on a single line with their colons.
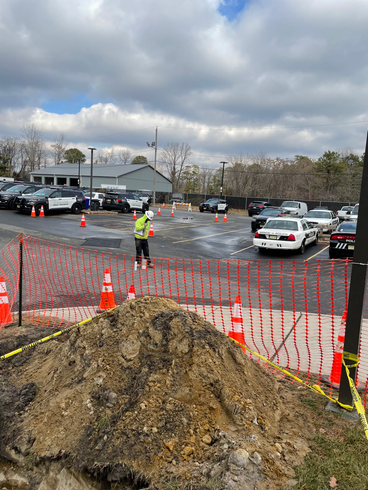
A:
x: 99, y: 170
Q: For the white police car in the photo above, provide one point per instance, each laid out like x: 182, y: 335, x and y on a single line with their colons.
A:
x: 286, y: 234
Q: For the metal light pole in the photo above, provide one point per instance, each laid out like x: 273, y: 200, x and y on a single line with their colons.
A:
x: 79, y: 173
x: 154, y: 145
x: 222, y: 180
x: 91, y: 183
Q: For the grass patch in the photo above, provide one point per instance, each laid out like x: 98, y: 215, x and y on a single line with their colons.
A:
x: 344, y: 458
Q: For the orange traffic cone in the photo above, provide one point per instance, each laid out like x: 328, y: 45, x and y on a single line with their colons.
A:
x: 151, y: 233
x: 172, y: 212
x: 163, y: 205
x: 134, y: 215
x: 225, y: 218
x: 33, y: 213
x: 83, y: 221
x: 216, y: 217
x: 42, y: 213
x: 335, y: 375
x: 159, y: 212
x: 131, y: 292
x: 237, y: 327
x: 107, y: 294
x: 5, y: 316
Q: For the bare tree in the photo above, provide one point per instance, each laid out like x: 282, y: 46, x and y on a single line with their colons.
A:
x: 33, y: 148
x: 106, y: 158
x: 58, y: 148
x: 10, y: 148
x: 205, y: 178
x: 174, y: 157
x: 125, y: 156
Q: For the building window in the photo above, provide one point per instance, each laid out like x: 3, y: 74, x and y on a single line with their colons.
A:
x: 37, y: 179
x: 74, y: 182
x: 49, y: 180
x: 61, y: 181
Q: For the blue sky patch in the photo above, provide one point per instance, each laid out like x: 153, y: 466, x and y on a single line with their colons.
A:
x: 231, y: 8
x: 67, y: 106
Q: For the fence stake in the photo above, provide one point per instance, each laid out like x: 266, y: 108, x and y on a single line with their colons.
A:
x: 357, y: 290
x: 20, y: 281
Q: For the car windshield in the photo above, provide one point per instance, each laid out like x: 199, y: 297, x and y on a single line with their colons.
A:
x: 349, y: 226
x: 356, y: 209
x: 270, y: 212
x: 317, y: 214
x: 346, y: 208
x: 289, y: 204
x: 281, y: 224
x: 211, y: 201
x: 43, y: 192
x: 17, y: 188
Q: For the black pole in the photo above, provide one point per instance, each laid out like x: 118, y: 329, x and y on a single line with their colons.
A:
x: 222, y: 180
x: 20, y: 279
x: 357, y: 289
x: 79, y: 174
x: 91, y: 183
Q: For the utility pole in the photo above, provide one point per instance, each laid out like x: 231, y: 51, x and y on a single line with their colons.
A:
x: 91, y: 183
x: 222, y: 180
x: 154, y: 145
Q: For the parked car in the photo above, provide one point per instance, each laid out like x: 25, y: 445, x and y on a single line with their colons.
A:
x: 96, y: 196
x: 344, y: 213
x: 8, y: 197
x: 354, y: 213
x: 259, y: 220
x: 342, y: 240
x: 286, y: 234
x: 322, y: 219
x: 295, y: 207
x: 255, y: 207
x: 214, y: 205
x: 143, y: 196
x: 124, y: 202
x: 52, y: 199
x: 7, y: 185
x: 177, y: 197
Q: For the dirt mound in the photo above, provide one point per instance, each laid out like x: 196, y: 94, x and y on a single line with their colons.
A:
x: 150, y: 395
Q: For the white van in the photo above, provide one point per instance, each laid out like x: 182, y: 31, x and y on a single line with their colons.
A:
x: 354, y: 213
x: 295, y: 207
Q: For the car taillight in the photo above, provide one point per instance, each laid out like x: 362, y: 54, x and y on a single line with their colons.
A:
x: 337, y: 213
x: 118, y: 200
x: 342, y: 237
x: 291, y: 238
x: 261, y: 207
x: 256, y: 235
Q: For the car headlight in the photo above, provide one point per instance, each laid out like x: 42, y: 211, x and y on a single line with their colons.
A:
x: 254, y: 220
x: 31, y: 202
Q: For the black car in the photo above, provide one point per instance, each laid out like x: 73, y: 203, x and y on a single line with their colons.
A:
x: 52, y: 199
x: 260, y: 220
x: 124, y: 202
x: 342, y: 240
x: 214, y: 205
x: 256, y: 207
x: 9, y: 196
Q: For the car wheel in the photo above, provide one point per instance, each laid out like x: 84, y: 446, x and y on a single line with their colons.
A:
x: 332, y: 254
x: 11, y: 205
x: 261, y: 250
x: 201, y: 210
x: 212, y: 210
x: 302, y: 248
x: 38, y: 209
x: 145, y: 208
x: 76, y: 208
x: 125, y: 208
x: 226, y: 210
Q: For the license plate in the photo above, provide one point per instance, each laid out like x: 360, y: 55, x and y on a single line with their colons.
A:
x: 273, y: 237
x: 108, y: 200
x: 351, y: 247
x: 254, y: 207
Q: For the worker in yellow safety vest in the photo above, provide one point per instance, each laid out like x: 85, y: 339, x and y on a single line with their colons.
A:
x: 141, y: 230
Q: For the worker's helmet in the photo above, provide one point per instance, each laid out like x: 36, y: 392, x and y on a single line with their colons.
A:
x: 150, y: 215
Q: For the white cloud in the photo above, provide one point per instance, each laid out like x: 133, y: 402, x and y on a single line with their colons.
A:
x: 281, y: 79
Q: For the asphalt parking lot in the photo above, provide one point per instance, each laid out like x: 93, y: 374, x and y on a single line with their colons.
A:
x: 186, y: 235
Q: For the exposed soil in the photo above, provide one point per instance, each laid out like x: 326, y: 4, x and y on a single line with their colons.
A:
x: 151, y: 396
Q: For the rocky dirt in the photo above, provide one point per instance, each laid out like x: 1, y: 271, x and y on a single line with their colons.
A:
x: 149, y: 396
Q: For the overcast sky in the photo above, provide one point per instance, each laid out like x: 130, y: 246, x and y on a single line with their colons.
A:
x: 282, y: 77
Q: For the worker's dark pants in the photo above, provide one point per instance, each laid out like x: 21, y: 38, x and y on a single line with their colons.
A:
x: 142, y: 245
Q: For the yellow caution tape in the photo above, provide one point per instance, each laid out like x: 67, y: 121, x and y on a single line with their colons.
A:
x: 56, y: 334
x: 356, y: 398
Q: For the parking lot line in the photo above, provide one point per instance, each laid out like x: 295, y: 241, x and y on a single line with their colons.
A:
x: 317, y: 253
x: 242, y: 250
x: 208, y: 236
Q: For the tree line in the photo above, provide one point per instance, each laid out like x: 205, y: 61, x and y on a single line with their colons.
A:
x: 335, y: 176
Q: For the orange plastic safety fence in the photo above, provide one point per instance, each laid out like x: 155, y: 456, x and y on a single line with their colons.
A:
x: 291, y: 310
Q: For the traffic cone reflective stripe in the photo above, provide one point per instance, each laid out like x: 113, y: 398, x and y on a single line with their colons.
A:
x: 33, y: 213
x: 134, y: 215
x: 151, y: 233
x: 83, y: 221
x: 225, y: 218
x: 216, y: 217
x: 163, y: 205
x: 131, y: 292
x: 107, y: 294
x: 42, y: 213
x: 237, y: 326
x: 159, y: 212
x: 172, y: 212
x: 5, y: 316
